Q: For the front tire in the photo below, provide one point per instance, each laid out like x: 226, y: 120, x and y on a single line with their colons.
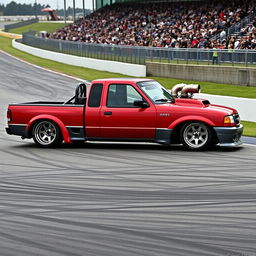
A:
x: 196, y: 136
x: 47, y: 134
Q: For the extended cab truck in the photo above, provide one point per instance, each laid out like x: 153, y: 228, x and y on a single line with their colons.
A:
x: 127, y: 110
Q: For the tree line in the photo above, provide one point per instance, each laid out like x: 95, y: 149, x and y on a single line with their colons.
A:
x: 14, y: 8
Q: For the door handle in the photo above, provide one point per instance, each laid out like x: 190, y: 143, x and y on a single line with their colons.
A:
x: 108, y: 113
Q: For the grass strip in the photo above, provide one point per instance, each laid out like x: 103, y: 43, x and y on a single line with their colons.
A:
x: 249, y: 128
x: 212, y: 88
x: 49, y: 27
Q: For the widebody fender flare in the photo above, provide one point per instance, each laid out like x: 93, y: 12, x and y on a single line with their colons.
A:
x: 61, y: 125
x: 191, y: 118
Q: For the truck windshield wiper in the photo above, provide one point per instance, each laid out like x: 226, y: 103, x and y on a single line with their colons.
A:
x: 161, y: 100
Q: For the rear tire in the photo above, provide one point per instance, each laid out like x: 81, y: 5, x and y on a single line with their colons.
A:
x: 196, y: 136
x: 47, y: 134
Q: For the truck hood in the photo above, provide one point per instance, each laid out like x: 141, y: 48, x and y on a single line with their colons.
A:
x: 203, y: 103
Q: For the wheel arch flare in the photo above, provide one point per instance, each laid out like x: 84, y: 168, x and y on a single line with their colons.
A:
x: 54, y: 119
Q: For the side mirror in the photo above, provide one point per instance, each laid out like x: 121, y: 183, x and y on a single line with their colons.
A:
x: 80, y: 95
x: 140, y: 103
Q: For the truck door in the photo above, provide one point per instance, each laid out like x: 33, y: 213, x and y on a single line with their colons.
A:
x: 120, y: 118
x: 92, y: 111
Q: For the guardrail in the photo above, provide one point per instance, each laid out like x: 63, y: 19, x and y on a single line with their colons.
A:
x: 20, y: 24
x: 139, y: 55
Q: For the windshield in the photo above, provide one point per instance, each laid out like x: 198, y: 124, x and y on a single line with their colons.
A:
x: 155, y: 91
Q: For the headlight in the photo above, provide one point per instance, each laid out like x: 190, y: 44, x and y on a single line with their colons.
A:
x: 229, y: 120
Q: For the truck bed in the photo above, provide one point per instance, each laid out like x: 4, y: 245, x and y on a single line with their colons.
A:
x: 37, y: 103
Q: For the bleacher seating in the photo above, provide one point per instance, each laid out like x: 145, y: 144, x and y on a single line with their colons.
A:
x: 177, y: 25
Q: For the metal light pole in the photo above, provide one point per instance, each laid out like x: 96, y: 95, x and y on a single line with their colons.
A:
x: 74, y: 11
x: 93, y: 5
x: 83, y: 9
x: 65, y: 19
x: 35, y: 9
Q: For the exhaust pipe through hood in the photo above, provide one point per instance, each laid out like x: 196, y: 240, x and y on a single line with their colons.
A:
x: 185, y: 90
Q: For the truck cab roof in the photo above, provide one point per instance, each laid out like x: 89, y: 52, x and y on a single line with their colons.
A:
x: 122, y: 79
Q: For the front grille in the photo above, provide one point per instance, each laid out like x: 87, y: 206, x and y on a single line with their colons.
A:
x: 237, y: 119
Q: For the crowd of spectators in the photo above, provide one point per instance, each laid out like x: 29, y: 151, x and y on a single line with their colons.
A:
x: 245, y: 39
x: 183, y: 25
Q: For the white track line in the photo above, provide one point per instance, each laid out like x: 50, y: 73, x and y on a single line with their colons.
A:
x: 46, y: 69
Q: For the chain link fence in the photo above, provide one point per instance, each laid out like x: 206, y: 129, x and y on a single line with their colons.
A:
x: 139, y: 55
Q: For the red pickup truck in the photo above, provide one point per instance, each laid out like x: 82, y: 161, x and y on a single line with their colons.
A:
x: 128, y: 109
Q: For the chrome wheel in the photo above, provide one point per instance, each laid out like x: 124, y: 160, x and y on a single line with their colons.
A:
x: 45, y: 133
x: 196, y: 135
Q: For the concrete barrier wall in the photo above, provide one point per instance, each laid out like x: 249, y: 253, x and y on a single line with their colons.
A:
x: 103, y: 65
x: 20, y: 24
x: 217, y: 74
x: 245, y: 107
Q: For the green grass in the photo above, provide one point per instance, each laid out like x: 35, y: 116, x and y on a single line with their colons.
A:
x: 249, y: 128
x: 91, y: 74
x: 49, y: 27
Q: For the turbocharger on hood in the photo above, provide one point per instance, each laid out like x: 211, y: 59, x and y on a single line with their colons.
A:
x: 185, y: 90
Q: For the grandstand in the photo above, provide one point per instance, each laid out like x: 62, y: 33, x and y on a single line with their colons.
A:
x: 245, y: 37
x: 102, y: 3
x: 186, y: 24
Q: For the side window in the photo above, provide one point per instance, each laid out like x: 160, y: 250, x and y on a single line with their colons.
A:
x: 122, y: 95
x: 132, y: 95
x: 95, y: 95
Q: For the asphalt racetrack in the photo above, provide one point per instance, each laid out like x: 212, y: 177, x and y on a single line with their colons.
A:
x: 117, y: 199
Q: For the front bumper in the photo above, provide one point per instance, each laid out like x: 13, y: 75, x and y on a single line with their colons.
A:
x: 229, y: 136
x: 8, y: 131
x: 14, y: 129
